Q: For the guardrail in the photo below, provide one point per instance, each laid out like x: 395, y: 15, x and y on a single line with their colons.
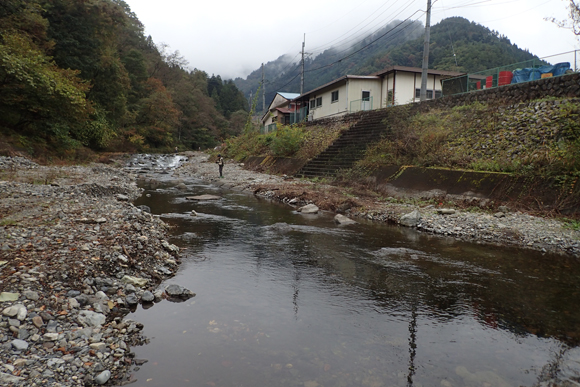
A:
x: 361, y: 105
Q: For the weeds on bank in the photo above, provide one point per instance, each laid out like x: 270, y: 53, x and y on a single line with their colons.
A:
x: 571, y: 224
x: 483, y: 138
x: 287, y: 141
x: 7, y: 222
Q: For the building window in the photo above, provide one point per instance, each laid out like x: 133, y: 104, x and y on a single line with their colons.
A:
x: 318, y: 102
x: 438, y: 94
x: 312, y: 104
x: 334, y: 97
x: 429, y: 93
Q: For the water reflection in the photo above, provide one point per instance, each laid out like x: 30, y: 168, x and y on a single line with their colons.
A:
x: 285, y: 299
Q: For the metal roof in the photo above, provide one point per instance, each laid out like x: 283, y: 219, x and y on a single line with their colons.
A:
x: 288, y: 96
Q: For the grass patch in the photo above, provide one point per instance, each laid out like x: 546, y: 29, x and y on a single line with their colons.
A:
x: 7, y: 222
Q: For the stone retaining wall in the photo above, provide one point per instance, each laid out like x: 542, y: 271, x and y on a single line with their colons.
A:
x: 566, y: 86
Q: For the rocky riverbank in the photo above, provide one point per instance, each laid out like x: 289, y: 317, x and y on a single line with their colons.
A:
x: 495, y: 225
x: 75, y: 257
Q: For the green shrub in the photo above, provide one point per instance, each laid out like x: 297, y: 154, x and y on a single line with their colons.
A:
x: 286, y: 141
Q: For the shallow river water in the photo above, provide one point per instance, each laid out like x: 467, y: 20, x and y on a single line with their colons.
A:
x: 285, y: 299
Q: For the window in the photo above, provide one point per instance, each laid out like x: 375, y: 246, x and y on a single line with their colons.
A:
x: 334, y: 97
x: 319, y: 102
x: 312, y: 104
x: 429, y: 94
x: 438, y: 94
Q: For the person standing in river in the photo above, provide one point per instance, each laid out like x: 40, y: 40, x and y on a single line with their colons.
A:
x: 220, y: 163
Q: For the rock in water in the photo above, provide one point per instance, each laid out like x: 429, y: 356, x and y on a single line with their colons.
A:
x: 341, y: 219
x: 176, y: 291
x: 309, y: 209
x: 147, y: 296
x: 203, y: 197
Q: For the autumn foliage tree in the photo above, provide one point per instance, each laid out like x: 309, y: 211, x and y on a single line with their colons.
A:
x: 82, y: 73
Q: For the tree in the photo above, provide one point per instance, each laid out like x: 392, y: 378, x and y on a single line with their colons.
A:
x: 36, y: 96
x: 574, y: 18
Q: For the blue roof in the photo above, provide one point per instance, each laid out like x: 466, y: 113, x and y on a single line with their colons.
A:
x: 289, y: 95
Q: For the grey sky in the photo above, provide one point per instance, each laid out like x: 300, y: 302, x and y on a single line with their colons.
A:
x: 232, y: 38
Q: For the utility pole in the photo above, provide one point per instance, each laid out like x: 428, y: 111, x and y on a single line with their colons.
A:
x: 263, y: 90
x: 424, y: 73
x: 302, y: 72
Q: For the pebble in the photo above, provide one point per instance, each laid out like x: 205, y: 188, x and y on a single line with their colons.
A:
x: 60, y: 274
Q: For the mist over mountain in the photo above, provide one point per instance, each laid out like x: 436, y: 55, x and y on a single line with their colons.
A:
x: 456, y: 44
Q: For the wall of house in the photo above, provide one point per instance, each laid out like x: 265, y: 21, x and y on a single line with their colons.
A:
x: 405, y: 84
x: 357, y: 86
x: 330, y: 109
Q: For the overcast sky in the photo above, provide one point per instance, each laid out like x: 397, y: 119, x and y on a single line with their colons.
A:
x: 232, y: 38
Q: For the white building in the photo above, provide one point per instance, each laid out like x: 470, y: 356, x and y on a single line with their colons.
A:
x: 395, y: 85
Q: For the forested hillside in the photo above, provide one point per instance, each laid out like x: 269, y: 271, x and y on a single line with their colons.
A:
x: 77, y: 74
x: 475, y: 47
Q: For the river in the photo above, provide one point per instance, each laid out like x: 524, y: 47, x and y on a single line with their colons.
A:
x: 286, y: 299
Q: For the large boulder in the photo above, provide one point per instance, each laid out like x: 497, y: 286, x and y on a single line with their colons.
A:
x: 411, y: 219
x: 343, y: 220
x: 309, y: 209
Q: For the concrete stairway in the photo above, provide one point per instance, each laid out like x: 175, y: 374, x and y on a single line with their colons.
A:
x: 348, y: 148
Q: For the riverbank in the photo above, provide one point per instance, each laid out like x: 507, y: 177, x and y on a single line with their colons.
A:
x: 501, y: 227
x: 75, y: 257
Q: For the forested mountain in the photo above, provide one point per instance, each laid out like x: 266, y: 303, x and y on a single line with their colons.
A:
x: 78, y: 73
x: 476, y: 48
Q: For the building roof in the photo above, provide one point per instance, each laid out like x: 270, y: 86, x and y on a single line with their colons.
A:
x: 285, y: 110
x: 288, y: 96
x: 338, y: 80
x: 417, y: 70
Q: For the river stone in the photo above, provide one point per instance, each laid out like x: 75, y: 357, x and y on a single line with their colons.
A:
x: 19, y: 345
x: 178, y: 292
x: 103, y: 377
x: 30, y: 295
x: 135, y: 281
x: 51, y: 336
x: 7, y: 379
x: 19, y: 362
x: 130, y: 289
x: 144, y: 208
x: 91, y: 319
x: 309, y: 209
x: 203, y: 197
x: 37, y: 321
x: 122, y: 197
x: 147, y: 296
x: 19, y: 311
x: 6, y: 296
x: 341, y: 219
x: 132, y: 299
x: 446, y: 211
x: 411, y: 219
x: 169, y: 247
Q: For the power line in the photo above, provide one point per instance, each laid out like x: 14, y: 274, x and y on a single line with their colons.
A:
x: 359, y: 36
x: 364, y: 47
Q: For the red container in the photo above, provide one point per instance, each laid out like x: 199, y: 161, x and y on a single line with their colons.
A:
x: 489, y: 82
x: 505, y: 78
x: 478, y: 85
